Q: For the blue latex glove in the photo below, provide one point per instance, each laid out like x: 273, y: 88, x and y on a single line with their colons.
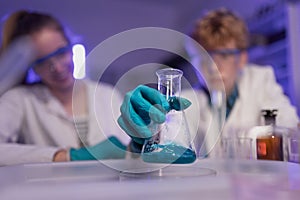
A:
x: 143, y: 105
x: 110, y: 148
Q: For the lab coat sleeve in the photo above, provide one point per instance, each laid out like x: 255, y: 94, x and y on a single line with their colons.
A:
x: 13, y: 153
x: 105, y: 109
x: 116, y: 104
x: 274, y: 98
x: 11, y: 117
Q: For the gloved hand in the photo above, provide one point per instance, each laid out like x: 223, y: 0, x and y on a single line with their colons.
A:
x: 143, y: 105
x: 110, y: 148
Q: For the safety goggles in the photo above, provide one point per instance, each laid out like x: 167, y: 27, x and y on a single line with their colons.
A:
x: 46, y: 60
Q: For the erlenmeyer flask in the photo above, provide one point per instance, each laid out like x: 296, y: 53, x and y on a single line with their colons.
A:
x: 171, y: 141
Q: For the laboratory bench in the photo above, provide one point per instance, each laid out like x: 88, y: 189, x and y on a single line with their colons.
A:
x: 117, y: 179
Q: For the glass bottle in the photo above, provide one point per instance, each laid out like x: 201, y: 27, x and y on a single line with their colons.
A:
x: 270, y: 146
x: 171, y: 141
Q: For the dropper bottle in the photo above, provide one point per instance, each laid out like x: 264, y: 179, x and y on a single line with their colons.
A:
x: 269, y: 146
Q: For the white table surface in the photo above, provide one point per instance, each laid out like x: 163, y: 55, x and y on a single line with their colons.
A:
x: 92, y: 180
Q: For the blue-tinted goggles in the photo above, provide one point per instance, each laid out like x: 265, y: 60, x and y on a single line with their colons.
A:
x: 58, y: 52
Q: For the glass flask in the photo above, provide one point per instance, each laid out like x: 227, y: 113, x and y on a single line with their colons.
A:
x: 171, y: 141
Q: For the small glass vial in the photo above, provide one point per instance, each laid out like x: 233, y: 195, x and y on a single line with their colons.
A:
x: 171, y: 141
x: 269, y: 146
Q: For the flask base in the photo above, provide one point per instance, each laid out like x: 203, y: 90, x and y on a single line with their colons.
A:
x: 170, y: 153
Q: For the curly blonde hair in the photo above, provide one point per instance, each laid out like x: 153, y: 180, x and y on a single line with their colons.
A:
x: 219, y: 27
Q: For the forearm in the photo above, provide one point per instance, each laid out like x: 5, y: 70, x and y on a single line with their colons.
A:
x: 20, y: 154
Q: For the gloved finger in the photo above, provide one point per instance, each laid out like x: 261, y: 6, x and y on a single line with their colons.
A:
x: 142, y: 114
x: 153, y: 96
x: 149, y: 104
x: 129, y: 113
x: 148, y: 111
x: 138, y: 134
x: 179, y: 103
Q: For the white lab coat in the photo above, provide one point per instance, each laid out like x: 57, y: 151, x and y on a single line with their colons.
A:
x: 257, y: 90
x: 34, y: 125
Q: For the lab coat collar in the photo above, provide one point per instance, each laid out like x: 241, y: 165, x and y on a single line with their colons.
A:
x: 51, y: 102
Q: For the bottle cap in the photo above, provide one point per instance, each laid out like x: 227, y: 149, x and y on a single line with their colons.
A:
x: 270, y: 116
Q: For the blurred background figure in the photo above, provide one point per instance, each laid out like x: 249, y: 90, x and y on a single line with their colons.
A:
x: 248, y: 88
x: 52, y: 117
x: 231, y: 94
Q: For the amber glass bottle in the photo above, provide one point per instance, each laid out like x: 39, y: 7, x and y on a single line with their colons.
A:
x: 269, y: 146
